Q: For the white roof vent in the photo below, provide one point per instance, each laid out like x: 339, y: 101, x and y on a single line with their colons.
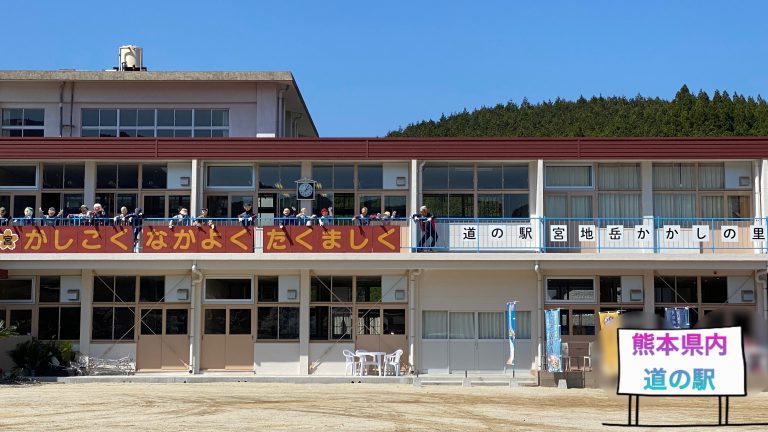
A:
x: 131, y: 58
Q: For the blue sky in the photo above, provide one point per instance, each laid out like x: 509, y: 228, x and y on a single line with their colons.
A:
x: 365, y: 68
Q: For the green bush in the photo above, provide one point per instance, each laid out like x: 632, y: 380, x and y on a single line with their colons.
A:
x: 34, y: 356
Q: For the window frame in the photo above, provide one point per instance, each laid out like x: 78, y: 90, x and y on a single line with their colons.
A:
x: 595, y: 287
x: 33, y: 290
x: 592, y: 178
x: 206, y: 300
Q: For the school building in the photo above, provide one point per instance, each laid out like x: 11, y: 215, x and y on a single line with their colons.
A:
x: 579, y: 224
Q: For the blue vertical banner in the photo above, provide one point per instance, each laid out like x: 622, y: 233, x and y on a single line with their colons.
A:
x: 678, y: 318
x: 552, y: 324
x: 511, y: 316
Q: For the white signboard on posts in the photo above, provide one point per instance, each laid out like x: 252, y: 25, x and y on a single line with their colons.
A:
x: 690, y: 362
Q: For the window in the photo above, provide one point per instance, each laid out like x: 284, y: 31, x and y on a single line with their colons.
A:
x: 114, y: 289
x: 610, y: 289
x: 117, y: 176
x: 318, y: 323
x: 573, y: 176
x: 230, y: 176
x: 215, y: 321
x: 523, y: 324
x: 675, y: 289
x: 176, y: 321
x: 23, y: 122
x: 465, y: 195
x: 434, y: 325
x: 341, y: 323
x: 393, y: 321
x: 268, y: 288
x: 17, y: 290
x: 461, y: 325
x: 113, y: 323
x: 583, y: 322
x: 18, y: 176
x: 571, y: 290
x: 151, y: 288
x: 22, y: 320
x: 63, y: 176
x: 50, y: 289
x: 491, y: 325
x: 334, y: 176
x: 58, y: 323
x: 370, y: 177
x: 331, y: 289
x: 279, y: 176
x: 714, y: 290
x: 368, y: 322
x: 151, y: 321
x: 278, y: 323
x: 239, y: 321
x: 143, y: 122
x: 154, y: 176
x: 369, y: 288
x: 228, y: 289
x: 674, y: 176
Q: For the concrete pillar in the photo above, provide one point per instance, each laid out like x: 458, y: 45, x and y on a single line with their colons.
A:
x: 414, y: 318
x: 196, y: 186
x: 195, y: 328
x: 304, y: 323
x: 649, y: 301
x: 266, y: 110
x: 646, y: 196
x: 536, y: 198
x: 413, y: 189
x: 89, y: 185
x: 86, y: 311
x: 763, y: 178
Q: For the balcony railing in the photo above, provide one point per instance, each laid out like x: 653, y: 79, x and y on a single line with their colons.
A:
x: 450, y: 235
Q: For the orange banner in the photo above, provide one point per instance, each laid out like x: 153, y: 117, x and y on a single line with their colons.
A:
x: 184, y: 239
x: 361, y: 239
x: 75, y: 239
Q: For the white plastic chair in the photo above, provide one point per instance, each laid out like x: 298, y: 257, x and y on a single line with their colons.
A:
x: 393, y: 360
x: 366, y: 360
x: 351, y: 362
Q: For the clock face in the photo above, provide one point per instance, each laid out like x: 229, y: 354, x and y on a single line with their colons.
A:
x: 306, y: 189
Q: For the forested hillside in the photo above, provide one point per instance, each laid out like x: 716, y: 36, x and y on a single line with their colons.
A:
x: 685, y: 115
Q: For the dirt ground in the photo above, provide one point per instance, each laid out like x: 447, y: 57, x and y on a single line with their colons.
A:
x: 358, y: 407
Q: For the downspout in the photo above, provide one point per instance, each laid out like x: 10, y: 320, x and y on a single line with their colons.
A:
x: 71, y: 106
x: 761, y: 283
x: 194, y: 310
x: 412, y: 275
x: 539, y: 314
x: 280, y: 112
x: 61, y: 108
x: 295, y: 122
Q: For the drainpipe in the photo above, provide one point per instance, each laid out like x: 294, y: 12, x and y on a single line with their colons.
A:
x: 295, y: 121
x: 539, y: 314
x: 194, y: 310
x: 71, y: 106
x: 412, y: 275
x: 280, y: 112
x: 761, y: 284
x: 61, y: 108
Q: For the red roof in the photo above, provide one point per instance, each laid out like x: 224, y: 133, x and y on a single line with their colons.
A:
x: 383, y: 148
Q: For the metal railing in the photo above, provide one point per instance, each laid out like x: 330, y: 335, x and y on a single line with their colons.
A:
x: 481, y: 235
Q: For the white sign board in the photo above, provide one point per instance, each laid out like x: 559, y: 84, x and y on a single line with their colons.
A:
x: 690, y: 362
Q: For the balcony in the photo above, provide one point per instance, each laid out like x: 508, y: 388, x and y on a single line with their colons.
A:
x: 345, y: 235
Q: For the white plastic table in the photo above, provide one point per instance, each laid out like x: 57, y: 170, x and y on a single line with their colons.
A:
x: 378, y: 357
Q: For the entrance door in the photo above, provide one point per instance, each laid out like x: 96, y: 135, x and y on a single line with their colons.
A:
x: 476, y: 341
x: 381, y: 330
x: 163, y: 342
x: 227, y: 340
